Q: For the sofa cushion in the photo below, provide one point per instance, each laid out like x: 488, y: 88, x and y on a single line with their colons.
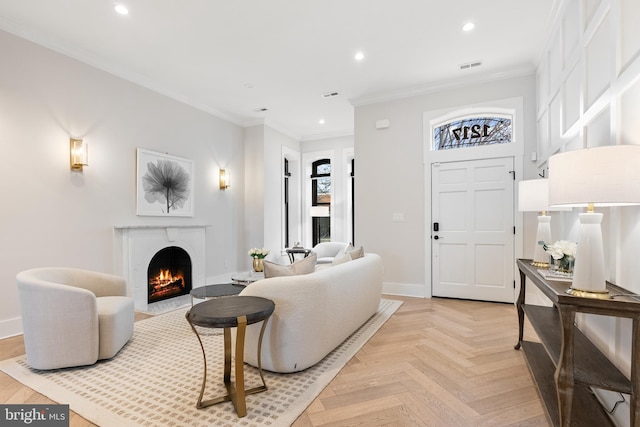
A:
x: 341, y: 259
x: 302, y: 266
x: 356, y: 253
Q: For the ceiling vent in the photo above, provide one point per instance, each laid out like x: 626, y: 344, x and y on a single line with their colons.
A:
x: 470, y: 65
x: 329, y: 94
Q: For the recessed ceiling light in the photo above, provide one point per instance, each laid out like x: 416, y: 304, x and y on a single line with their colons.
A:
x: 468, y: 26
x: 321, y: 121
x: 121, y: 9
x: 359, y: 56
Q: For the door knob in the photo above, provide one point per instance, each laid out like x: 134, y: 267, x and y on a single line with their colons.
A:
x: 436, y: 237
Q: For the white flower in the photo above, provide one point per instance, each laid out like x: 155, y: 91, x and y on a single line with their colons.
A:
x: 560, y: 249
x: 258, y: 252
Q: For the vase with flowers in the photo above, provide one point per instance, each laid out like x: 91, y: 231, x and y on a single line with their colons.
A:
x: 562, y: 254
x: 258, y: 255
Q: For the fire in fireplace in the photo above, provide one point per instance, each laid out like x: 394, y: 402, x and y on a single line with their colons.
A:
x: 169, y: 274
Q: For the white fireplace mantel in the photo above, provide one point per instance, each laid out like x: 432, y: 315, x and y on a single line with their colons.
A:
x: 135, y: 245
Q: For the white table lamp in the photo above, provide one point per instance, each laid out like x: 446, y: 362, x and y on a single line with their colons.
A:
x: 533, y: 196
x: 591, y: 177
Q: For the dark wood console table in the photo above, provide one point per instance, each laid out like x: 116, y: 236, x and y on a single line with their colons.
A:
x: 566, y: 363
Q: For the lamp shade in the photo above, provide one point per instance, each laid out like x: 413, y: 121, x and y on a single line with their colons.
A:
x: 533, y: 196
x: 602, y: 176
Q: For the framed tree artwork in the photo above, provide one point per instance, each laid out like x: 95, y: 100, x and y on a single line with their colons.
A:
x: 164, y: 185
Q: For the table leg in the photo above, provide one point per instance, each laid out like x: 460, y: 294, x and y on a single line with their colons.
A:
x: 635, y: 372
x: 204, y: 357
x: 564, y: 370
x: 235, y: 393
x: 519, y: 304
x: 239, y: 398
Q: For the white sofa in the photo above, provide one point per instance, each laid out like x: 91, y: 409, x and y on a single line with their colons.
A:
x: 73, y: 317
x: 314, y: 312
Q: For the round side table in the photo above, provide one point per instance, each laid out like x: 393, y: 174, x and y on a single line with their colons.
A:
x: 227, y: 313
x: 215, y: 291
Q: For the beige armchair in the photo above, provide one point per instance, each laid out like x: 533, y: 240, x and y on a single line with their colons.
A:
x: 327, y: 251
x: 73, y: 317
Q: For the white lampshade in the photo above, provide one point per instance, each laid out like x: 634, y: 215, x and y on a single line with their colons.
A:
x: 600, y: 176
x: 319, y: 211
x: 533, y: 196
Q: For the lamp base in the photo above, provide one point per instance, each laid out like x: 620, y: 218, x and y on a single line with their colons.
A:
x: 539, y: 264
x: 589, y: 294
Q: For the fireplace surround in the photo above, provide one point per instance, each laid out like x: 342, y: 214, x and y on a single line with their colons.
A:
x: 135, y: 247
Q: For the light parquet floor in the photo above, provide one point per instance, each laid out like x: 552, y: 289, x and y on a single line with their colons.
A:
x: 436, y: 362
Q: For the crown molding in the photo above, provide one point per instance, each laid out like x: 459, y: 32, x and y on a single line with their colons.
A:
x: 328, y: 135
x: 519, y: 71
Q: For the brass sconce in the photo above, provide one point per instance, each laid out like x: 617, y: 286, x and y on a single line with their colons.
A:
x: 224, y: 179
x: 79, y: 154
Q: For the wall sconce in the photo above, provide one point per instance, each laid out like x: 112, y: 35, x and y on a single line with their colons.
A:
x: 224, y: 179
x: 79, y: 154
x: 593, y: 177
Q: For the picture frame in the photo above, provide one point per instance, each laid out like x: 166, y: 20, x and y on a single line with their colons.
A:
x: 164, y: 184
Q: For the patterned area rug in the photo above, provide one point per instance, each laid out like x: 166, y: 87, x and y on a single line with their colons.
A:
x: 155, y: 379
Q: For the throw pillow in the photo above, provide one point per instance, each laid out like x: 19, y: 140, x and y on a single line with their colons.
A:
x: 356, y: 253
x: 302, y: 266
x: 341, y: 259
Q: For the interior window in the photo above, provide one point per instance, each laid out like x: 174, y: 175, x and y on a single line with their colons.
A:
x: 321, y: 199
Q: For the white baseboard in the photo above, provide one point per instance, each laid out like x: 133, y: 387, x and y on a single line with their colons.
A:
x: 11, y: 327
x: 406, y: 290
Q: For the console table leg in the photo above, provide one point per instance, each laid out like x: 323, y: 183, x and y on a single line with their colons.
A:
x: 519, y: 304
x: 635, y: 373
x: 564, y: 370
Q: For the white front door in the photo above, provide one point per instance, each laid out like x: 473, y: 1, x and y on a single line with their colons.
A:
x: 472, y: 230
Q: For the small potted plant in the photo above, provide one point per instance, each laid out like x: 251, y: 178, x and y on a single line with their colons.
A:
x: 258, y: 254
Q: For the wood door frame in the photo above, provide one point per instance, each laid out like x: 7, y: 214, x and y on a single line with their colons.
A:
x: 515, y: 149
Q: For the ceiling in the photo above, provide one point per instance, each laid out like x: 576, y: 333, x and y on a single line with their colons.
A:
x: 234, y: 58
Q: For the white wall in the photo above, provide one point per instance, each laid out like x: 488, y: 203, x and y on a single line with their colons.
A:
x: 390, y: 173
x: 589, y: 95
x: 51, y: 216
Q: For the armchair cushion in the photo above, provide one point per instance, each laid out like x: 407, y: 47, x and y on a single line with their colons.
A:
x: 327, y: 251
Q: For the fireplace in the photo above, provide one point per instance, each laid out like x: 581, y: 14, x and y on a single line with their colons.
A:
x: 168, y: 274
x: 136, y: 246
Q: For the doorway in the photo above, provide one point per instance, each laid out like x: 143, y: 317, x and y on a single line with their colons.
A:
x: 473, y: 230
